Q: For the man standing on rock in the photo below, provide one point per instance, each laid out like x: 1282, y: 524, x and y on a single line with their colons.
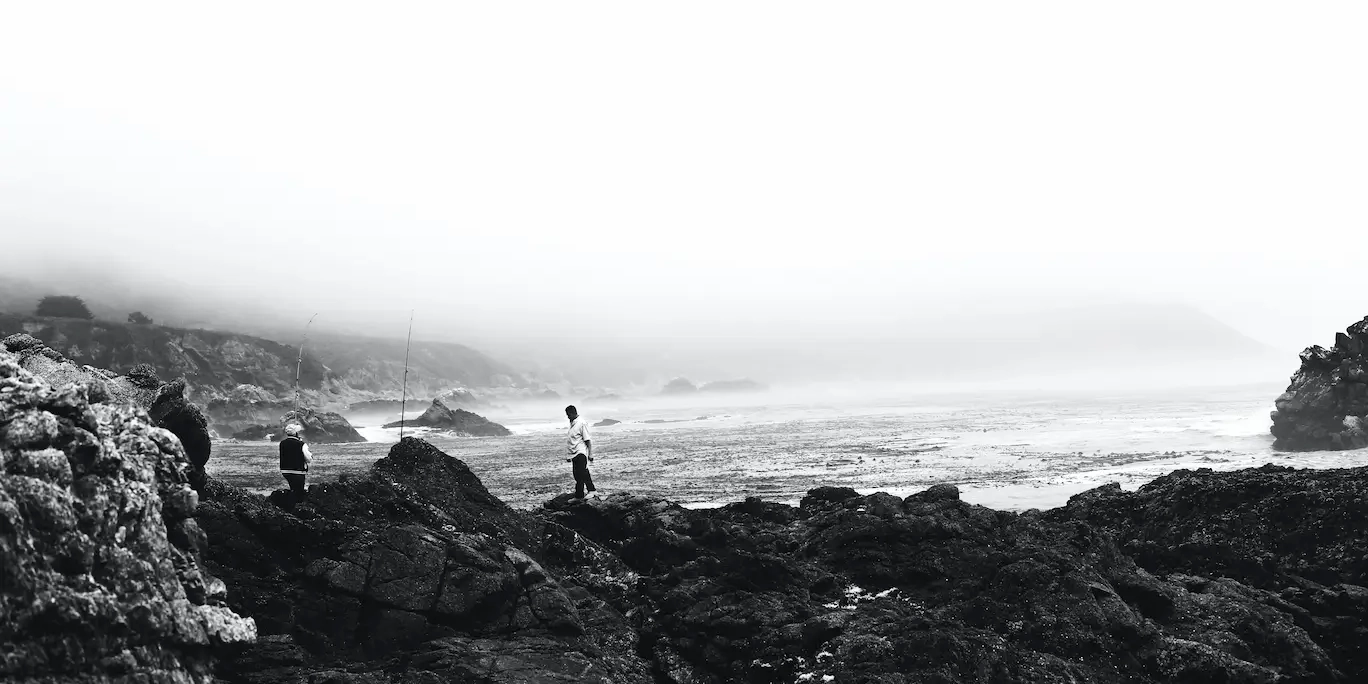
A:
x: 581, y: 452
x: 294, y: 461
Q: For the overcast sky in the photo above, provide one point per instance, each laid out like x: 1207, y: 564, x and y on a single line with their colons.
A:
x: 588, y: 169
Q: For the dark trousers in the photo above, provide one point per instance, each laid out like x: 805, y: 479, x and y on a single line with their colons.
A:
x: 297, y: 486
x: 582, y: 479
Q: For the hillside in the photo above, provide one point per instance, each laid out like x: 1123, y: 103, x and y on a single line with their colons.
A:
x: 244, y: 379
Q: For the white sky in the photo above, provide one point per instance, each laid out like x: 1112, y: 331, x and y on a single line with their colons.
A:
x: 723, y: 169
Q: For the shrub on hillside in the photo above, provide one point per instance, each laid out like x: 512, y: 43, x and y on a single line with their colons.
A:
x: 63, y: 306
x: 139, y: 318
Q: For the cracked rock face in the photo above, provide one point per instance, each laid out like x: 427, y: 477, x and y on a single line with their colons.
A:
x: 100, y: 570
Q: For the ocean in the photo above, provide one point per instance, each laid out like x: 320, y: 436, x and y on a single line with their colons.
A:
x: 1006, y: 450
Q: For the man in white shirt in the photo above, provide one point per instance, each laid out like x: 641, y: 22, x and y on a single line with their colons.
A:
x: 581, y: 452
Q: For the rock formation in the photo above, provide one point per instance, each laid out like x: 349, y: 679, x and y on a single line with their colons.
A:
x: 1326, y: 404
x: 417, y: 568
x: 606, y: 422
x: 322, y: 428
x: 100, y: 570
x: 679, y: 386
x: 257, y: 433
x: 166, y: 403
x: 928, y: 588
x: 441, y: 417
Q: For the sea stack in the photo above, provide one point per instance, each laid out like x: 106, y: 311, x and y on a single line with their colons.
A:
x: 1325, y: 405
x: 442, y: 417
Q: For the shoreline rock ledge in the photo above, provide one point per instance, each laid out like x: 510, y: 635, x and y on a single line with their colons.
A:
x: 1325, y: 406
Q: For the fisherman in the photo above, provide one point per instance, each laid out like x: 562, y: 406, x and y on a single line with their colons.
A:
x: 294, y: 461
x: 581, y: 452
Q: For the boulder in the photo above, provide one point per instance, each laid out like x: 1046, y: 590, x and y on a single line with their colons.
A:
x: 320, y: 427
x: 101, y: 577
x: 442, y: 417
x: 606, y: 422
x: 1326, y: 402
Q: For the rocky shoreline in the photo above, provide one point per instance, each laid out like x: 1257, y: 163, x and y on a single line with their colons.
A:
x: 115, y: 569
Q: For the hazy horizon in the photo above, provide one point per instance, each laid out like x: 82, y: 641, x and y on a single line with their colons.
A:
x: 713, y: 182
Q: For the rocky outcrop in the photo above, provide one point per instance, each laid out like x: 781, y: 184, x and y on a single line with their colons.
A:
x: 416, y: 569
x: 322, y: 428
x: 166, y: 403
x: 442, y: 417
x: 928, y: 588
x: 679, y: 386
x: 256, y: 433
x: 1326, y: 404
x: 100, y: 553
x: 606, y: 422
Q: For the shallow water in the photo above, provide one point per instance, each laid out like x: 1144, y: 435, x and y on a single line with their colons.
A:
x: 1010, y: 452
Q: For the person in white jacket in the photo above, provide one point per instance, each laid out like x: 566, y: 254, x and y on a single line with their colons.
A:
x: 581, y: 452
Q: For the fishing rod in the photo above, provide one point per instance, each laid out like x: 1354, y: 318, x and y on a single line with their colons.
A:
x: 300, y: 363
x: 403, y: 396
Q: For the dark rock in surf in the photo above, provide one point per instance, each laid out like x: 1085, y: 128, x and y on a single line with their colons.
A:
x: 1326, y: 404
x: 256, y: 433
x: 321, y: 427
x: 606, y: 422
x: 442, y: 417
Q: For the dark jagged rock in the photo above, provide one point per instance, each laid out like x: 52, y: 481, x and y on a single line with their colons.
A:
x: 323, y: 428
x: 100, y: 570
x: 256, y: 433
x: 416, y: 561
x: 1301, y: 535
x: 606, y: 422
x: 441, y: 417
x: 1326, y: 404
x: 929, y: 588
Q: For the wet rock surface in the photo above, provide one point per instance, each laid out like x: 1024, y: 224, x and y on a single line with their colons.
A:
x: 443, y: 417
x: 1326, y: 404
x: 100, y: 553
